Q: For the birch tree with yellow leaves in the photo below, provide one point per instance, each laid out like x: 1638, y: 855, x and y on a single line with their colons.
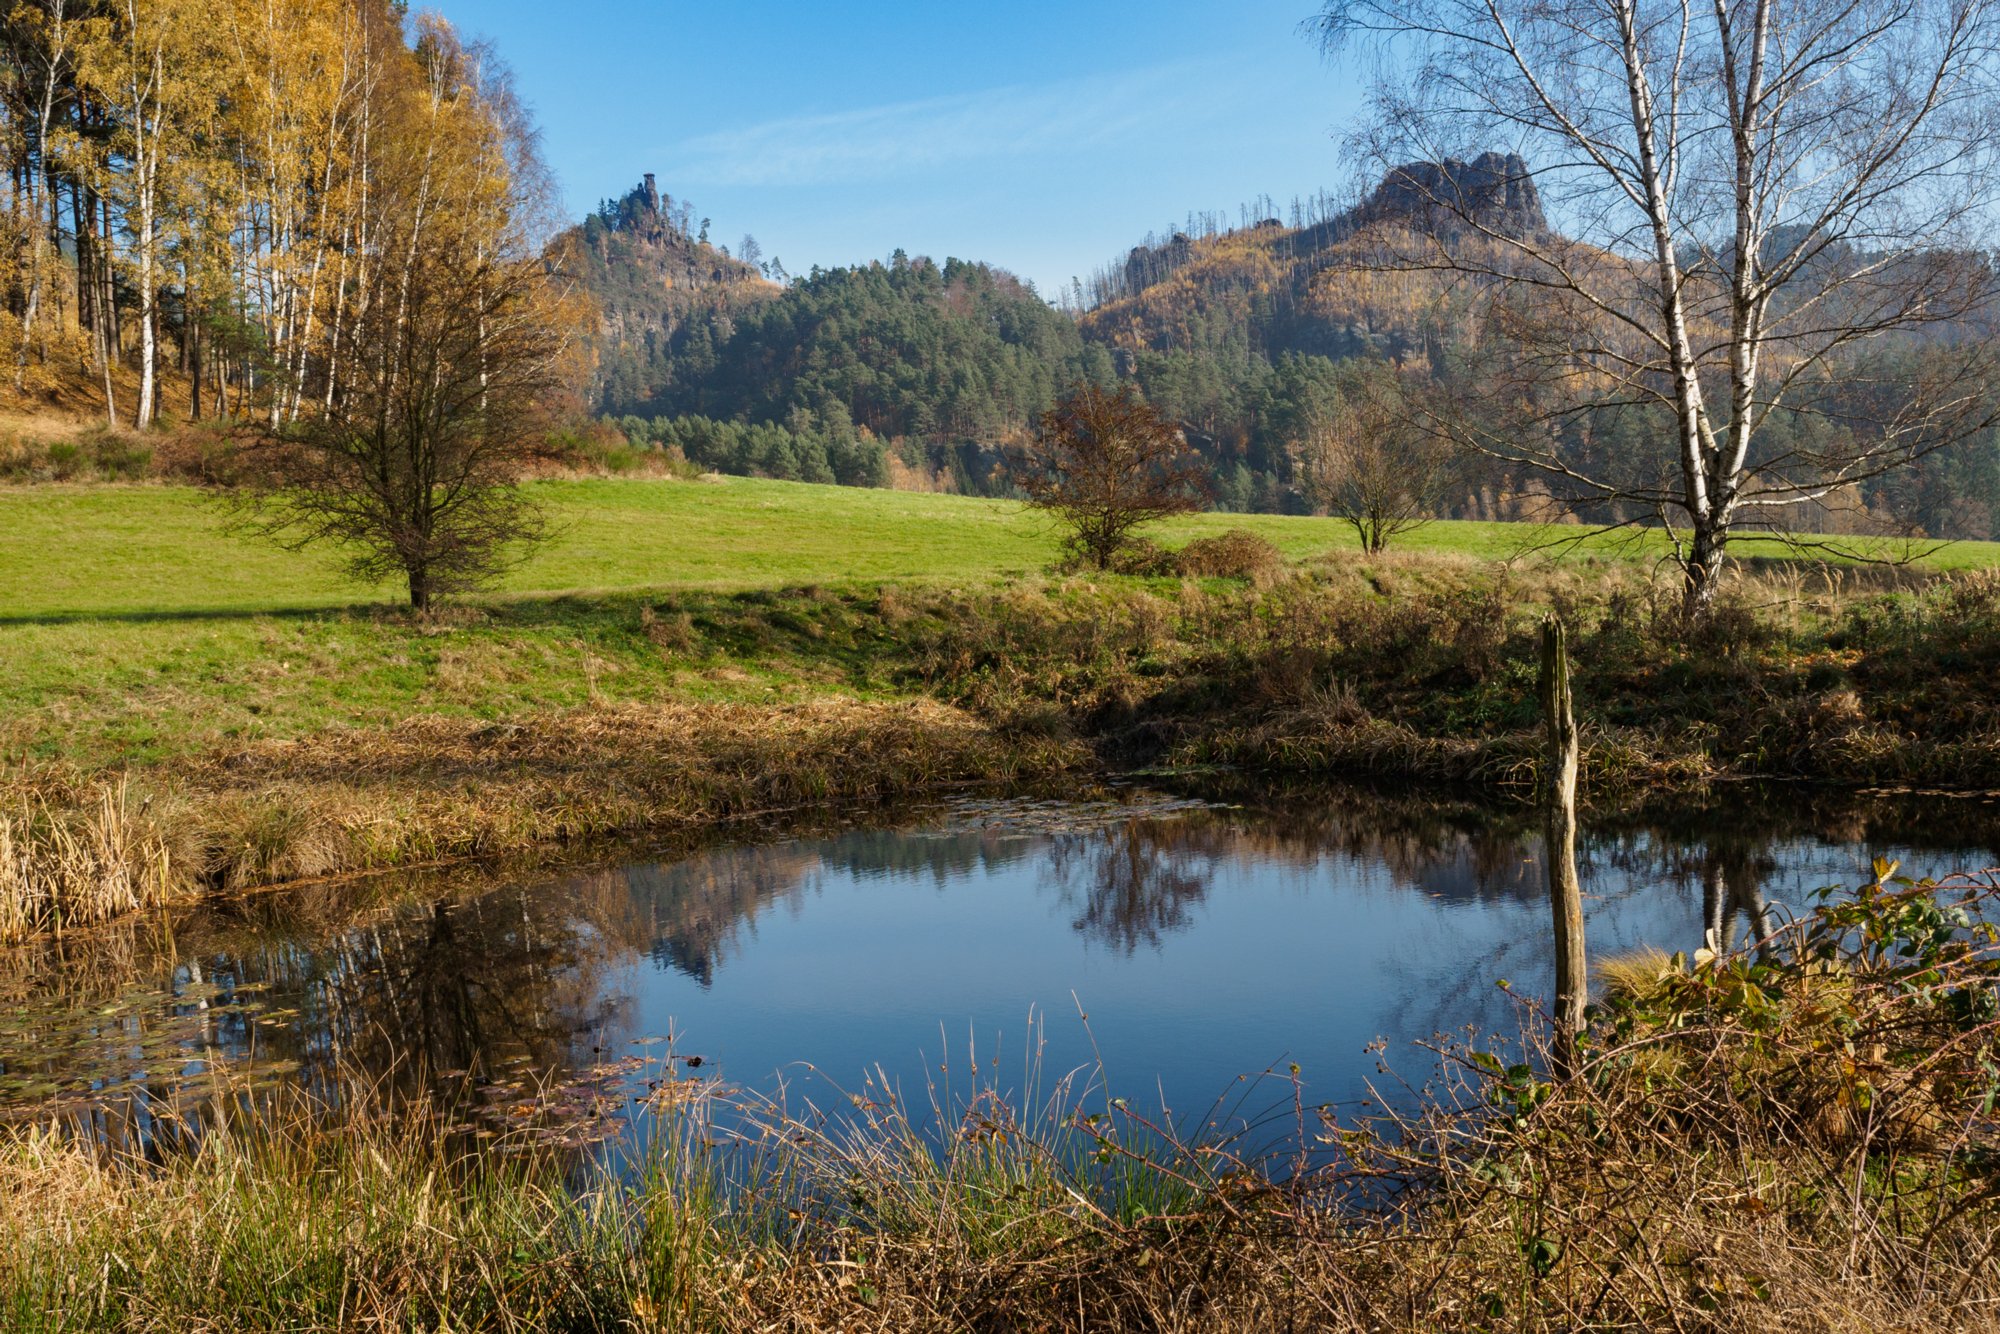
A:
x: 209, y: 202
x: 455, y: 342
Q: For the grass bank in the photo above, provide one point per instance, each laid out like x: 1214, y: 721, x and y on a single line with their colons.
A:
x: 1799, y: 1137
x: 80, y: 848
x: 219, y: 740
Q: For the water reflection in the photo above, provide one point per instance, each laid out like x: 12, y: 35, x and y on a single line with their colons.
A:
x: 1732, y: 893
x: 1135, y: 885
x: 1204, y: 942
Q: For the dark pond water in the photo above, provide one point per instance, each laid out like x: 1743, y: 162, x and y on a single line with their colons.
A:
x: 1203, y: 942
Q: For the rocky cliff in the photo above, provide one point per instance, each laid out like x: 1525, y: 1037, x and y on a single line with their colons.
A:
x: 663, y: 293
x: 1495, y: 192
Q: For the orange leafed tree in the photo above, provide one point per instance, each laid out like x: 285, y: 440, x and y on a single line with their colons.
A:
x: 1105, y: 463
x: 456, y: 349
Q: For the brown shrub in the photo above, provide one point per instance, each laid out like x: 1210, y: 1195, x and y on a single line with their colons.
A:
x: 1236, y: 554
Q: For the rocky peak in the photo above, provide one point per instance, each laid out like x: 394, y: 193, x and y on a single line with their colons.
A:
x: 1495, y: 191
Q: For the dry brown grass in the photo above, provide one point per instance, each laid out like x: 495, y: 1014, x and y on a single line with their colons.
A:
x: 1236, y: 554
x: 434, y: 789
x: 68, y: 866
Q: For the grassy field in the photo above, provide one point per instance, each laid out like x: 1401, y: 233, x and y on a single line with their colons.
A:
x: 102, y: 551
x: 135, y: 627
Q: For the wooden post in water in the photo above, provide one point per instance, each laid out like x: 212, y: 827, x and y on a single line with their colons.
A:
x: 1559, y: 844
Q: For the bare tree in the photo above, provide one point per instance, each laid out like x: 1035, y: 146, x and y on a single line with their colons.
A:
x: 1746, y: 194
x: 1105, y: 463
x: 457, y: 360
x: 1376, y: 455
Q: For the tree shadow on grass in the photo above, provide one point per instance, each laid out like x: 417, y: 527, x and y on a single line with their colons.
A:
x: 375, y: 610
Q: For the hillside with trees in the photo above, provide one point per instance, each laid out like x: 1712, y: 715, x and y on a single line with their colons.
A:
x: 666, y: 296
x: 822, y: 378
x: 1236, y: 332
x: 1240, y: 331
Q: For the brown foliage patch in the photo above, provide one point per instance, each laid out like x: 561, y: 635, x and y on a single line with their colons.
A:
x: 1236, y: 554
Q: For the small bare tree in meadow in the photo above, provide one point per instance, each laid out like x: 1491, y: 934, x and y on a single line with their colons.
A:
x: 1105, y: 463
x: 1375, y: 456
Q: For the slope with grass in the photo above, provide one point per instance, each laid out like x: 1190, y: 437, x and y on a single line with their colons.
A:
x: 182, y: 708
x: 96, y: 551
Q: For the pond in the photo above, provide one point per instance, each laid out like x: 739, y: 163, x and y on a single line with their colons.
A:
x: 1169, y: 949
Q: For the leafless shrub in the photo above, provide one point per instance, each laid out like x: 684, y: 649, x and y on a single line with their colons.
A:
x: 1377, y: 456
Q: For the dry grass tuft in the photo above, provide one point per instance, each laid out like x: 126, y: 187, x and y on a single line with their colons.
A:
x: 1637, y: 975
x: 73, y: 866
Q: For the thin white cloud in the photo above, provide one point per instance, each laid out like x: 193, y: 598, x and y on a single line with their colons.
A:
x: 899, y: 139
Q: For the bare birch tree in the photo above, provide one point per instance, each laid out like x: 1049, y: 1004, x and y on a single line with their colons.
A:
x: 1744, y: 194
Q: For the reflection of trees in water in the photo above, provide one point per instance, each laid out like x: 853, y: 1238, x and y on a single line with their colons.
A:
x: 445, y: 975
x: 693, y: 913
x: 485, y: 983
x: 472, y: 984
x: 1135, y: 884
x: 465, y: 985
x: 1732, y: 892
x: 688, y: 913
x: 1461, y: 850
x: 1452, y: 850
x: 942, y: 858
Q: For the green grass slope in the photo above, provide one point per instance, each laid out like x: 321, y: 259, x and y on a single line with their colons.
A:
x: 100, y: 551
x: 135, y: 627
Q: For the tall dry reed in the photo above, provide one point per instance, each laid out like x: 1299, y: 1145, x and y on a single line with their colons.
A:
x: 73, y: 867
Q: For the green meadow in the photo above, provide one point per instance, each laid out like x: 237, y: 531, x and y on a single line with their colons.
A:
x: 138, y: 626
x: 161, y: 551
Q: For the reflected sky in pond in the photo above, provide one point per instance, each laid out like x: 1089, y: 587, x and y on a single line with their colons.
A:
x: 1203, y: 943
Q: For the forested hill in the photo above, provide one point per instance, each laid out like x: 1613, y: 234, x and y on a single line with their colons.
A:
x: 1224, y: 327
x: 916, y: 373
x: 906, y: 348
x: 666, y: 296
x: 1267, y: 288
x: 819, y: 378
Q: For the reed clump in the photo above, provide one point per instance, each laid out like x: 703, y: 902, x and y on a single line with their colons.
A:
x: 72, y: 866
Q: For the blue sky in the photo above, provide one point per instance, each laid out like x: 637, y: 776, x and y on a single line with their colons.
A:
x: 1042, y: 136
